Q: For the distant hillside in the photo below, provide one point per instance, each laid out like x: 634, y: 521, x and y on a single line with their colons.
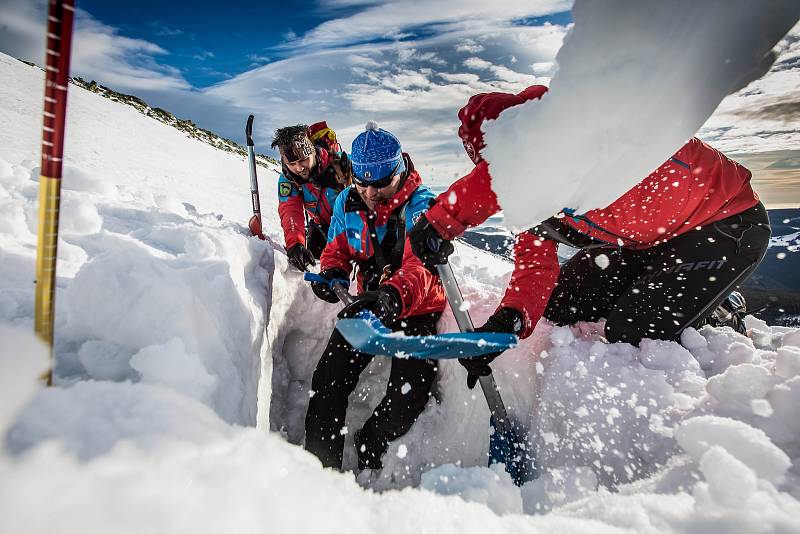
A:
x: 776, y: 282
x: 164, y: 116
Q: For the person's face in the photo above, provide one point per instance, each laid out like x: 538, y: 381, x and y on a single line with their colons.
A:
x: 301, y: 167
x: 375, y: 195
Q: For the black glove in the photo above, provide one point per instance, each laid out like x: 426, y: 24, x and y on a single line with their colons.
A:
x: 428, y: 245
x: 385, y: 303
x: 300, y: 256
x: 504, y: 320
x: 325, y: 291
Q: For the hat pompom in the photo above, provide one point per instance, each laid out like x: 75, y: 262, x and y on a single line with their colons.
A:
x: 371, y: 125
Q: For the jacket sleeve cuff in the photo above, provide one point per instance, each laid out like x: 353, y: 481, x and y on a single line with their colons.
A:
x: 444, y: 223
x: 294, y: 238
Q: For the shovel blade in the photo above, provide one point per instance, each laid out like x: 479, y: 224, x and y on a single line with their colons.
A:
x: 367, y: 334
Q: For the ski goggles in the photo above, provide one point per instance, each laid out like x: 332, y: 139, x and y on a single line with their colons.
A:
x: 300, y: 149
x: 380, y: 183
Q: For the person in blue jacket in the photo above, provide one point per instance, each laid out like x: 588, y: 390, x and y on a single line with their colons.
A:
x: 368, y: 231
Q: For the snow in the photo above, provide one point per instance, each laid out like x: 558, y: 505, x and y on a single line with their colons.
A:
x: 635, y: 80
x: 185, y: 350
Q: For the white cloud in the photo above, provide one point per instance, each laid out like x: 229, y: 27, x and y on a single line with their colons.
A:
x: 390, y: 20
x: 98, y: 52
x: 22, y: 30
x: 469, y: 46
x: 501, y: 72
x: 259, y: 58
x: 765, y: 115
x: 466, y: 77
x: 393, y: 83
x: 543, y: 68
x: 404, y: 55
x: 477, y: 63
x: 162, y: 29
x: 203, y: 55
x: 121, y: 62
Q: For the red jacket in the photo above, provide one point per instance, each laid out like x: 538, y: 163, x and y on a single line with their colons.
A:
x: 420, y: 291
x: 695, y: 187
x: 315, y: 196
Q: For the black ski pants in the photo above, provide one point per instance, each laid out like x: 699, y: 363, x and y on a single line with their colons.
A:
x: 657, y: 292
x: 335, y: 378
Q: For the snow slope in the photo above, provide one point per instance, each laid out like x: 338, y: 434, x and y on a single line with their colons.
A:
x: 181, y: 342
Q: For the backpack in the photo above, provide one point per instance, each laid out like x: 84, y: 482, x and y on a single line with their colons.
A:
x: 324, y: 137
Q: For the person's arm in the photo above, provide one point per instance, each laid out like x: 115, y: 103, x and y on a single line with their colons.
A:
x: 468, y: 202
x: 535, y: 274
x: 413, y: 282
x: 290, y: 211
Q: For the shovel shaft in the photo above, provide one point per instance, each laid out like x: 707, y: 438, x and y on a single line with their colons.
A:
x: 343, y: 294
x: 488, y: 385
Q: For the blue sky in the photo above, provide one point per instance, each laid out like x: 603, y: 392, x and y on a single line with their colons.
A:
x: 211, y: 41
x: 408, y: 64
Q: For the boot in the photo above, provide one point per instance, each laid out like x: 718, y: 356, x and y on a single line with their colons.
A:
x: 730, y: 312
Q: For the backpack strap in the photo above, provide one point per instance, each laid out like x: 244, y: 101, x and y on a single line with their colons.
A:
x: 389, y: 254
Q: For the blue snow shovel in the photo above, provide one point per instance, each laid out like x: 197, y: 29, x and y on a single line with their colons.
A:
x: 367, y: 334
x: 507, y: 444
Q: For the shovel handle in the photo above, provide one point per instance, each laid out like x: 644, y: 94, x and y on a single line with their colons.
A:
x: 343, y: 294
x: 488, y: 385
x: 339, y: 289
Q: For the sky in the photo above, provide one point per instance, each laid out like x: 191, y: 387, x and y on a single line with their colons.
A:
x: 409, y: 65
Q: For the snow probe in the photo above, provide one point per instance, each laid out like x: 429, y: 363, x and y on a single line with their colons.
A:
x: 367, y: 334
x: 59, y: 43
x: 507, y: 444
x: 255, y: 220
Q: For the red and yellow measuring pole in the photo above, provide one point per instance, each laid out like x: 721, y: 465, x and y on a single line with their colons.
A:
x: 59, y: 43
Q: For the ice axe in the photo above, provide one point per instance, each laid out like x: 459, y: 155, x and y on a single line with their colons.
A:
x: 506, y: 444
x: 255, y: 221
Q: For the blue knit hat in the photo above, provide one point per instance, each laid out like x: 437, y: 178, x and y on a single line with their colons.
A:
x: 375, y: 154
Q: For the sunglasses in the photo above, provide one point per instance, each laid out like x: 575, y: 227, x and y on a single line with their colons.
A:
x: 377, y: 184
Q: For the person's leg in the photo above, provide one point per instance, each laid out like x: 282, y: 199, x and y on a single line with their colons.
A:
x: 690, y: 276
x: 407, y: 393
x: 335, y: 377
x: 589, y: 283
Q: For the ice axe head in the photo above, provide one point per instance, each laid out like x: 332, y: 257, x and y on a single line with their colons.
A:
x: 255, y: 226
x: 248, y: 130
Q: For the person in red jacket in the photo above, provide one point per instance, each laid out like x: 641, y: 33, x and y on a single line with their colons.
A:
x: 657, y: 260
x: 368, y: 230
x: 314, y: 171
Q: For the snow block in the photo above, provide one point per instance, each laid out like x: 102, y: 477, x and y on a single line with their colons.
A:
x: 749, y: 445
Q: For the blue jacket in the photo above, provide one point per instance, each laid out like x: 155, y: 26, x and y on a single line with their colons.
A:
x: 349, y: 244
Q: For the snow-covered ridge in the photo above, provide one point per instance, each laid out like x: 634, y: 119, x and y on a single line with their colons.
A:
x: 181, y: 341
x: 185, y: 125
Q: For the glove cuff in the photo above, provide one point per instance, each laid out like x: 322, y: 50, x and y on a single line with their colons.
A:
x: 335, y: 272
x: 443, y: 222
x: 394, y: 303
x: 507, y: 320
